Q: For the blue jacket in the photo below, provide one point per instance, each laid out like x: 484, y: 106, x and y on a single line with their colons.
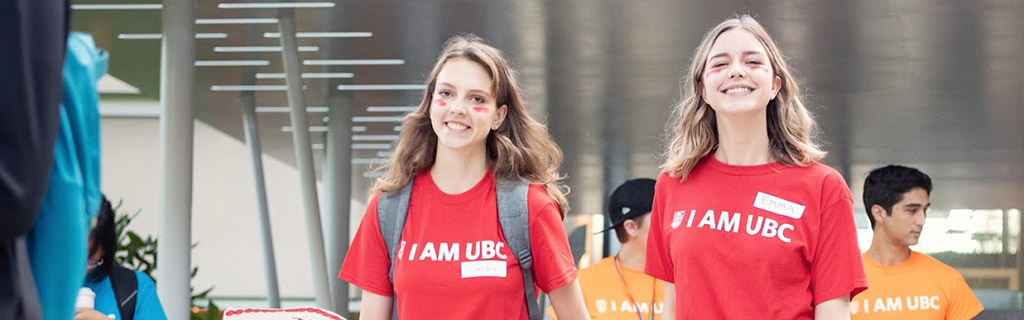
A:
x: 57, y: 242
x: 147, y: 304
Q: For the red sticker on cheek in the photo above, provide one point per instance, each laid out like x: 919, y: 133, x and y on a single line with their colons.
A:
x: 440, y: 103
x: 759, y: 68
x: 712, y: 72
x: 480, y: 109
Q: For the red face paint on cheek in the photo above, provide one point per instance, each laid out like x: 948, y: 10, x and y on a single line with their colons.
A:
x: 712, y: 72
x: 440, y: 102
x: 480, y: 109
x: 759, y: 68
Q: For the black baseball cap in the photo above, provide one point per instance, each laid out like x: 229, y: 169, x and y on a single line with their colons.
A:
x: 630, y: 200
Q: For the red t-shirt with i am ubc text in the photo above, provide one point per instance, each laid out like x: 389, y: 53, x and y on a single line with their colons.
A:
x: 754, y: 242
x: 453, y: 261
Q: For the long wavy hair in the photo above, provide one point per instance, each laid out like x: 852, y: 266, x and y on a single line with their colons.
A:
x: 692, y: 128
x: 520, y: 149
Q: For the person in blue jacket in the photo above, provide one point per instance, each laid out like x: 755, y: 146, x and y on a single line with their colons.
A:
x: 120, y: 293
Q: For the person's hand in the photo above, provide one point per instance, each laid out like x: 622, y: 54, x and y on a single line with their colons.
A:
x: 89, y: 314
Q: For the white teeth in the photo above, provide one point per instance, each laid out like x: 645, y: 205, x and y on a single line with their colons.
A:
x: 457, y: 126
x: 738, y: 90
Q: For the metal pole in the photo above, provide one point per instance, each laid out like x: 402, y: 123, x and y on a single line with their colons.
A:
x: 1006, y: 263
x: 1019, y: 260
x: 303, y: 157
x: 617, y: 147
x: 176, y: 131
x: 338, y: 184
x: 252, y: 139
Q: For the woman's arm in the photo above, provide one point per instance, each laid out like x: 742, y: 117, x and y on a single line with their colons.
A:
x: 375, y: 306
x: 669, y: 312
x: 568, y: 302
x: 834, y: 309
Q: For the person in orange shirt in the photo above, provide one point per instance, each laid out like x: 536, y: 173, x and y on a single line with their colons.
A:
x: 903, y: 284
x: 616, y: 287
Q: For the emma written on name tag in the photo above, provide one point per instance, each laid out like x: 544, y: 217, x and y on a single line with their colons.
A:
x: 778, y: 205
x: 486, y: 268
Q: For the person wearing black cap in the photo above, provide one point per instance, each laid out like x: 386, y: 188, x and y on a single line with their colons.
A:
x: 616, y: 287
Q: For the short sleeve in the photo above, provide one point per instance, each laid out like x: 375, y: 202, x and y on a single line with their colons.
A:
x: 659, y: 262
x: 367, y: 263
x: 147, y: 303
x: 837, y: 268
x: 553, y: 265
x: 963, y: 305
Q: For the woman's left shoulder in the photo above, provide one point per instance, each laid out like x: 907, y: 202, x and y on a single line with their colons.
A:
x: 829, y: 175
x: 829, y: 182
x: 537, y: 196
x: 540, y: 202
x: 818, y: 168
x: 817, y: 171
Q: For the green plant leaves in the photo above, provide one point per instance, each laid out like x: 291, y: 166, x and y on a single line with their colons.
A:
x: 136, y: 252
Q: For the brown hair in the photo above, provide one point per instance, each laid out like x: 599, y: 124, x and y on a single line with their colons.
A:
x: 520, y: 149
x: 692, y: 127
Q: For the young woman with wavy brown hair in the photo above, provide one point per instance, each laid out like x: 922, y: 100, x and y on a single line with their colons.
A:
x: 746, y: 222
x: 470, y: 131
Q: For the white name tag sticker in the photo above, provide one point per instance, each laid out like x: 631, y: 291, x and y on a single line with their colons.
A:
x: 778, y: 205
x: 486, y: 268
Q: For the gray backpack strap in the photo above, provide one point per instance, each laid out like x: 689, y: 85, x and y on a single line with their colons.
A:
x: 391, y: 212
x: 514, y: 216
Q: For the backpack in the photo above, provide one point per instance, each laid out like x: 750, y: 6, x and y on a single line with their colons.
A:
x: 126, y: 288
x: 513, y: 215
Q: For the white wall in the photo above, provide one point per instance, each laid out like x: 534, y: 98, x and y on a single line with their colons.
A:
x: 224, y: 218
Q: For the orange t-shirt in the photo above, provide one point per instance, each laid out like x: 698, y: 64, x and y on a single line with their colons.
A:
x: 919, y: 288
x: 606, y: 298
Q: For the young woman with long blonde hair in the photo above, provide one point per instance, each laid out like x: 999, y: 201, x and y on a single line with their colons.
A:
x: 746, y: 223
x: 470, y: 131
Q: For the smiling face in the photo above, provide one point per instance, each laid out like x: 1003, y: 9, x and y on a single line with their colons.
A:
x: 464, y: 110
x: 738, y: 76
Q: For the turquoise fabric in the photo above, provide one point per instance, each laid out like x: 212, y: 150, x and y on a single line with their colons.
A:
x: 147, y: 304
x: 57, y: 242
x: 81, y: 100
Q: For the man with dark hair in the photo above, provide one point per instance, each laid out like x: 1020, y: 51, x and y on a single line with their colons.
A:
x: 616, y: 287
x: 903, y: 284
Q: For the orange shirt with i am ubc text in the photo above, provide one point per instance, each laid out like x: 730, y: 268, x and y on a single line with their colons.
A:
x: 607, y: 298
x: 919, y: 288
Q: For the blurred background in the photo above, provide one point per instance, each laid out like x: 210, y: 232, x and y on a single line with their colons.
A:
x: 937, y: 85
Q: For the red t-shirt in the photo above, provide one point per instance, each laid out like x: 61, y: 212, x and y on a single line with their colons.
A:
x: 453, y: 260
x: 754, y: 242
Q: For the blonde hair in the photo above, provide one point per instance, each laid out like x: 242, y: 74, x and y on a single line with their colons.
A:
x: 520, y: 149
x: 693, y: 131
